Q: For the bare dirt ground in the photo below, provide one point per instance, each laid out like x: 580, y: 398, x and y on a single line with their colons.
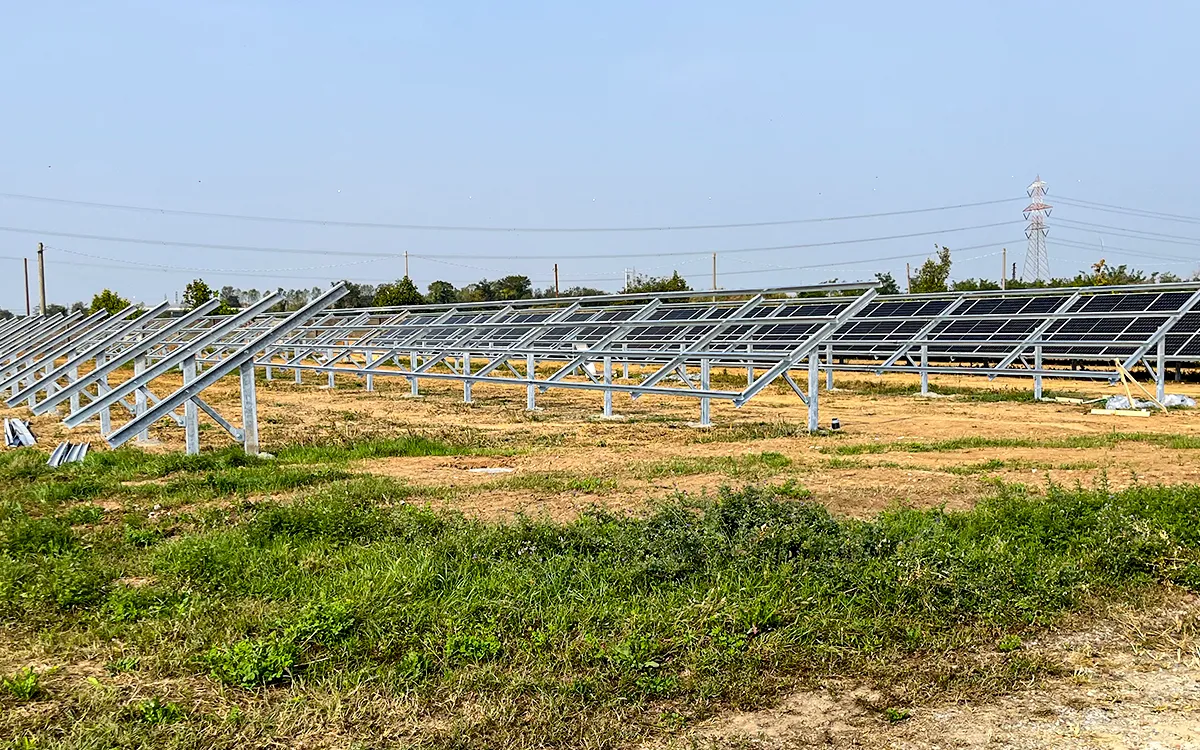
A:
x: 1130, y: 681
x: 567, y: 438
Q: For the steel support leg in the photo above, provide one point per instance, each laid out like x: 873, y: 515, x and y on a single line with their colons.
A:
x: 414, y: 389
x: 139, y: 396
x: 269, y: 378
x: 73, y: 374
x: 924, y: 369
x: 370, y: 379
x: 1037, y: 375
x: 829, y: 367
x: 608, y: 412
x: 329, y: 357
x: 625, y: 363
x: 814, y: 379
x: 249, y: 410
x: 191, y: 416
x: 466, y: 370
x: 531, y: 389
x: 101, y: 388
x: 1160, y: 370
x: 705, y: 413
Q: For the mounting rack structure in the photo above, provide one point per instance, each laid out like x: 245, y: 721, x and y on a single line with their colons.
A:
x: 663, y: 344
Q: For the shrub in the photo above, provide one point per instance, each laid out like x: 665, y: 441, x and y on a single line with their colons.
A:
x: 252, y: 662
x: 24, y: 685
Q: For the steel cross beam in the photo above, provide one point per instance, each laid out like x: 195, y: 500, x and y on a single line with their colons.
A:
x: 99, y: 347
x: 907, y: 346
x: 185, y: 351
x: 396, y: 347
x: 808, y: 347
x: 1162, y: 331
x: 706, y: 339
x: 244, y: 356
x: 1037, y: 333
x: 46, y: 329
x: 526, y: 339
x: 458, y: 344
x: 56, y: 343
x: 636, y: 320
x: 115, y: 360
x: 107, y: 337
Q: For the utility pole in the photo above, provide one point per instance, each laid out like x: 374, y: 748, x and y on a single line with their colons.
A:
x: 28, y: 310
x: 42, y: 276
x: 406, y: 264
x: 908, y: 276
x: 1003, y: 268
x: 555, y: 279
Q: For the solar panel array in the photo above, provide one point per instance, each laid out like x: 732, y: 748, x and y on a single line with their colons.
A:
x: 671, y: 340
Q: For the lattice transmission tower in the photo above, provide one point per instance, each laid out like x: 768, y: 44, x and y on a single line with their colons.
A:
x: 1037, y: 262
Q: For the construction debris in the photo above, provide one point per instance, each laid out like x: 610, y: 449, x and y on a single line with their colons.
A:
x: 67, y: 453
x: 1123, y: 412
x: 1123, y: 402
x: 17, y: 434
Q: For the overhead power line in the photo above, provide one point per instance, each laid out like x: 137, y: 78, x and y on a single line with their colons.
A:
x: 1175, y: 239
x: 466, y: 228
x: 505, y: 256
x: 1126, y: 210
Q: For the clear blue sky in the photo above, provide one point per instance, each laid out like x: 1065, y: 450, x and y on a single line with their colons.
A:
x: 598, y: 114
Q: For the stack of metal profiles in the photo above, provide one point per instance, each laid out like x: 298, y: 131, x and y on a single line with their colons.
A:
x: 653, y: 344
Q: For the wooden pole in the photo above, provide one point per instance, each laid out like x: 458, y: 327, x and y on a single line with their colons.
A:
x: 908, y: 275
x: 555, y: 279
x: 42, y: 277
x: 28, y: 309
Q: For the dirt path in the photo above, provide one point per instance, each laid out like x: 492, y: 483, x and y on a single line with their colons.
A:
x: 1131, y: 683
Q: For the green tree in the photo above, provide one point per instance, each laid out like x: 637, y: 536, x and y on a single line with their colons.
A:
x: 6, y: 314
x: 643, y: 284
x: 887, y: 284
x: 441, y: 293
x: 108, y: 301
x: 198, y: 292
x: 481, y: 291
x: 513, y: 287
x: 974, y: 285
x: 933, y: 274
x: 402, y: 293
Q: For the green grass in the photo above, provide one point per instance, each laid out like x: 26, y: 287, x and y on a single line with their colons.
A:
x: 748, y: 466
x: 889, y: 388
x: 1105, y: 440
x: 355, y: 616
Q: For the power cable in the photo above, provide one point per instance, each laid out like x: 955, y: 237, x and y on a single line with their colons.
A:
x: 464, y: 228
x: 1111, y: 208
x: 559, y: 256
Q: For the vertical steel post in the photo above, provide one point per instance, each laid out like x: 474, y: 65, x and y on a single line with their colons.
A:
x: 191, y: 416
x: 73, y: 375
x: 370, y: 379
x: 249, y: 409
x: 101, y: 389
x: 1037, y: 375
x: 298, y: 371
x: 829, y: 366
x: 139, y: 396
x: 705, y: 413
x: 1160, y: 370
x: 412, y: 379
x: 608, y: 412
x: 329, y: 357
x: 531, y: 389
x: 269, y: 378
x: 466, y: 370
x: 814, y: 379
x: 625, y: 362
x: 924, y: 369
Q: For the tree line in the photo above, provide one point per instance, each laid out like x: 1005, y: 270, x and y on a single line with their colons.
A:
x: 932, y: 276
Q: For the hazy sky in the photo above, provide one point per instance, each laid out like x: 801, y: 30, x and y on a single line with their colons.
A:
x: 553, y: 114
